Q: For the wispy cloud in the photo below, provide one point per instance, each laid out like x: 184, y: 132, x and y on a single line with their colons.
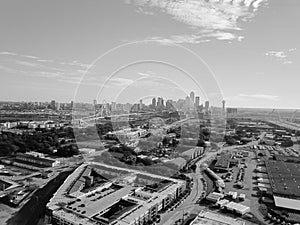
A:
x: 179, y: 39
x: 245, y: 97
x: 260, y: 96
x: 7, y: 53
x: 29, y: 65
x: 206, y: 18
x: 281, y: 56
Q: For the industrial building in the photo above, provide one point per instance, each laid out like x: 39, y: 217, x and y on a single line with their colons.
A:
x: 214, y: 197
x: 224, y: 162
x: 284, y: 178
x: 101, y: 194
x: 211, y: 218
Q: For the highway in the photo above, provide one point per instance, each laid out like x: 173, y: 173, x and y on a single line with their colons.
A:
x: 286, y: 124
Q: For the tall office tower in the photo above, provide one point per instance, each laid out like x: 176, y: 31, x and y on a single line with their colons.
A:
x: 119, y: 107
x: 153, y: 103
x: 141, y: 104
x: 95, y: 102
x: 187, y: 103
x: 52, y: 105
x: 206, y: 106
x: 197, y: 102
x: 113, y: 106
x: 71, y: 105
x: 127, y: 107
x: 223, y: 105
x: 159, y: 102
x: 180, y: 104
x: 192, y: 97
x: 162, y: 102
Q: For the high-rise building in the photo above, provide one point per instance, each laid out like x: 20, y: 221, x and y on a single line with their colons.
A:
x: 197, y: 102
x: 113, y: 106
x: 141, y: 104
x: 223, y: 105
x: 95, y: 102
x: 187, y: 103
x: 160, y: 102
x: 192, y: 97
x: 52, y: 105
x: 206, y: 106
x: 154, y: 103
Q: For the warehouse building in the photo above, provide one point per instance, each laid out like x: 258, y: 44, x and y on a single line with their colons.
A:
x: 284, y: 178
x: 224, y: 162
x: 210, y: 218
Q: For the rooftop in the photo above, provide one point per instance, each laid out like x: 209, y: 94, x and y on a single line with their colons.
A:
x: 29, y: 156
x: 123, y: 198
x: 210, y: 218
x: 284, y: 178
x: 223, y: 161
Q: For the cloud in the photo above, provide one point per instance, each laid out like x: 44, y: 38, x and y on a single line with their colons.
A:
x: 277, y: 54
x: 45, y: 60
x: 260, y: 96
x: 179, y: 39
x: 34, y: 66
x: 121, y: 82
x: 7, y: 53
x: 29, y: 56
x: 257, y: 97
x: 206, y: 18
x: 28, y: 64
x: 281, y: 56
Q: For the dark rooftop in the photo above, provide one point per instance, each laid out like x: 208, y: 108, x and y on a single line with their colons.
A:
x: 284, y: 178
x: 223, y: 161
x: 116, y: 210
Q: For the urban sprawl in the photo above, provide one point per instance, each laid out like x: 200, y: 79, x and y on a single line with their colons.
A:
x: 167, y: 162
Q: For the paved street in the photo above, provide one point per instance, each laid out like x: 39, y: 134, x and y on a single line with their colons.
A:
x: 189, y: 206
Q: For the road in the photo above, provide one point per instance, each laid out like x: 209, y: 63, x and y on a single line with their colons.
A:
x: 163, y: 129
x: 189, y: 206
x: 286, y: 124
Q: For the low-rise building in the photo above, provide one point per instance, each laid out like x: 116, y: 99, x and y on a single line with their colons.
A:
x: 210, y: 218
x: 101, y: 194
x: 214, y: 197
x: 237, y: 208
x: 34, y: 160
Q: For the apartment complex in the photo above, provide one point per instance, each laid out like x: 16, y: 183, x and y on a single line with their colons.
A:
x: 101, y: 194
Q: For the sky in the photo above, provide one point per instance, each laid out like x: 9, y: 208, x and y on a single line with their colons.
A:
x: 244, y: 51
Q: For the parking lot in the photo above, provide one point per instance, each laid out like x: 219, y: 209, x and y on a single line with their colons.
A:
x: 249, y: 185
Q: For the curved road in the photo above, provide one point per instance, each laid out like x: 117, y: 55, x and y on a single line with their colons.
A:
x: 189, y: 205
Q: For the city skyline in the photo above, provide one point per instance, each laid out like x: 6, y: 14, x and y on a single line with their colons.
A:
x: 251, y: 51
